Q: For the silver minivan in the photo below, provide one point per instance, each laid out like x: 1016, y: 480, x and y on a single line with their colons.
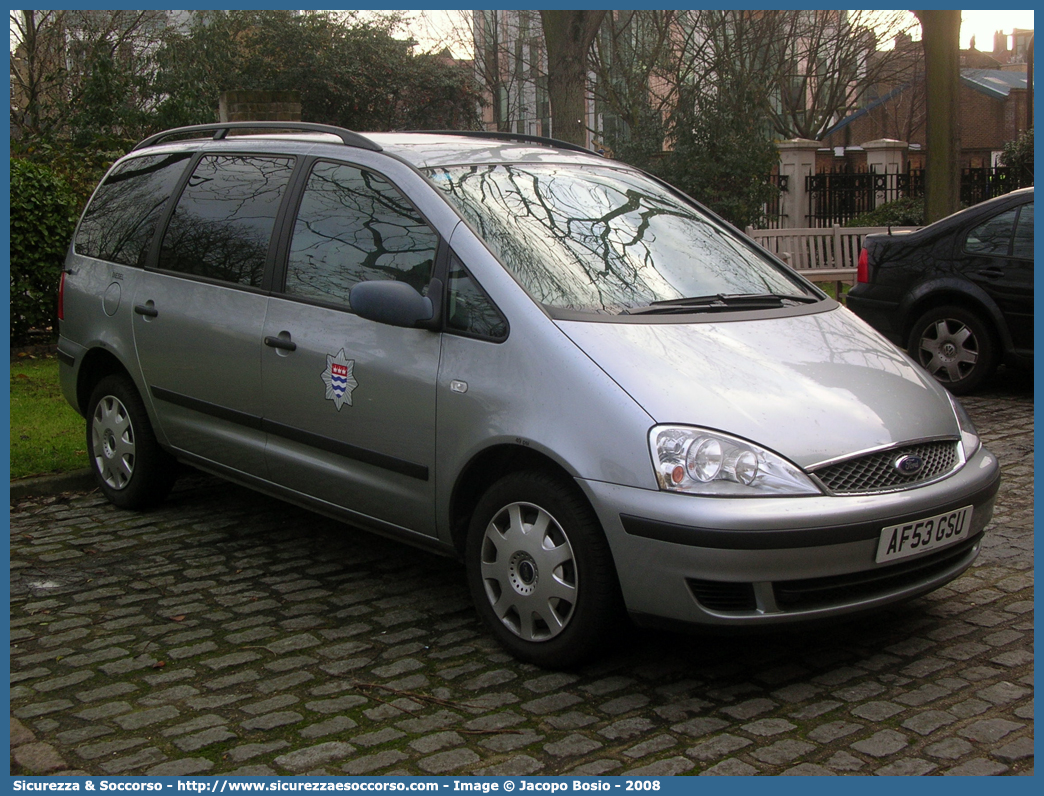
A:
x: 599, y: 395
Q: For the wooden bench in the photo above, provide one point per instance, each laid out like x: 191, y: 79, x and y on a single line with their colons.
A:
x: 826, y: 254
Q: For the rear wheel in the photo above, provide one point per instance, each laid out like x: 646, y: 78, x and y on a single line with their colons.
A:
x: 540, y: 570
x: 955, y: 347
x: 130, y: 467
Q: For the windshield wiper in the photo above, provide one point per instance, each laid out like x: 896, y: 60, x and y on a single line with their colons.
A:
x: 782, y: 298
x: 721, y: 302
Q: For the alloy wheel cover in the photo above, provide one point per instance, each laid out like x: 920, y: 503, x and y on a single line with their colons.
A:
x: 948, y: 350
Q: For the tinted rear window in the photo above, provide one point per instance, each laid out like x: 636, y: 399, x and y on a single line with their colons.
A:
x: 992, y: 237
x: 121, y: 220
x: 1023, y: 244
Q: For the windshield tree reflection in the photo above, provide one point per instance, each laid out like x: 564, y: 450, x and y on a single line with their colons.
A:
x: 604, y: 240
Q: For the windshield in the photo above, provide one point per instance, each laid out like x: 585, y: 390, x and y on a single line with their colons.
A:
x: 606, y: 240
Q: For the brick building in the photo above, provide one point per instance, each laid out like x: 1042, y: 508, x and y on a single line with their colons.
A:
x: 993, y: 104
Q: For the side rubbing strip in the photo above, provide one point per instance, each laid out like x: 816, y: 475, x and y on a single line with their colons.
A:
x: 401, y: 466
x: 214, y: 410
x: 364, y: 455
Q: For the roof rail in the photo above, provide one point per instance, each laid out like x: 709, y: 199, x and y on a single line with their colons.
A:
x: 222, y: 129
x: 523, y: 137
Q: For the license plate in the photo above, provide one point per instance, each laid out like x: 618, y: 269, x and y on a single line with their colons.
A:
x: 931, y: 533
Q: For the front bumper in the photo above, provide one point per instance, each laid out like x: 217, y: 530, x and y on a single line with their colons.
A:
x: 763, y: 561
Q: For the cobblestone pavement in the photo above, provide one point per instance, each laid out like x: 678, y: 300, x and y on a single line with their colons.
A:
x: 229, y: 633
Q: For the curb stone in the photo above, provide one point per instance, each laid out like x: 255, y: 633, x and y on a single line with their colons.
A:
x: 45, y: 485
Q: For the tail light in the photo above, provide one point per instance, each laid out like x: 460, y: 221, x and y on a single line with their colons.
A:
x: 61, y: 298
x: 863, y: 267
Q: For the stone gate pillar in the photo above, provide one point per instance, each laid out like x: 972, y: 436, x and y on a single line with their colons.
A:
x: 885, y: 157
x: 797, y: 160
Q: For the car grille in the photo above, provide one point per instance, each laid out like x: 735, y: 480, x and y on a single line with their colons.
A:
x: 876, y: 472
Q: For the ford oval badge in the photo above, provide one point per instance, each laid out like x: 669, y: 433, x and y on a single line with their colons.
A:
x: 909, y: 464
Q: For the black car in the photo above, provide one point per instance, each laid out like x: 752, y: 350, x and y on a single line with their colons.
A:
x: 958, y: 294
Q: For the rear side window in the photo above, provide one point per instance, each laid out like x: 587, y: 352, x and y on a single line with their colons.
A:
x: 223, y: 223
x: 121, y: 220
x: 993, y: 236
x: 354, y: 226
x: 1024, y: 233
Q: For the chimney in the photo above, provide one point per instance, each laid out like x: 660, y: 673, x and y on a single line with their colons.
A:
x: 1000, y: 44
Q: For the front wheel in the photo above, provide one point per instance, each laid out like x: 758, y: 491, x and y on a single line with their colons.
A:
x: 540, y: 570
x: 955, y: 347
x: 130, y: 467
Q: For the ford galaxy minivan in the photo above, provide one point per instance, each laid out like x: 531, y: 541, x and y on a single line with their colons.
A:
x: 560, y: 369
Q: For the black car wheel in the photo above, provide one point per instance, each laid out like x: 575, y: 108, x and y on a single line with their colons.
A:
x: 540, y: 570
x: 955, y: 347
x: 131, y: 469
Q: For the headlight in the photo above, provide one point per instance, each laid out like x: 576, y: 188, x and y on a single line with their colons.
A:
x: 969, y: 436
x: 702, y: 462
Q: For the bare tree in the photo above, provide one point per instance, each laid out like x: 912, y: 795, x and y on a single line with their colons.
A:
x: 824, y: 64
x: 57, y: 56
x: 680, y: 98
x: 903, y: 117
x: 510, y: 62
x: 807, y: 68
x: 632, y: 63
x: 509, y: 58
x: 534, y: 68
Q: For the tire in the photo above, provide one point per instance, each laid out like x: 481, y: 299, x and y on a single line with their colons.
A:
x: 129, y: 466
x: 955, y: 346
x: 540, y: 570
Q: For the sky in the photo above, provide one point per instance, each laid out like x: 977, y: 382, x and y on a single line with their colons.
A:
x: 982, y: 25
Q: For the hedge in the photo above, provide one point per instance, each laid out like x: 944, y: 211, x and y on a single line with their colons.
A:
x: 905, y: 212
x: 43, y: 214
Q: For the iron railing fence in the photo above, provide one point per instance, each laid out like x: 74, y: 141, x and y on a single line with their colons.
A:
x: 774, y: 212
x: 839, y: 195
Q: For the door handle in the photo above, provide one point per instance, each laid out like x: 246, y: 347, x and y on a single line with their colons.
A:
x: 285, y: 343
x: 991, y: 273
x: 148, y: 309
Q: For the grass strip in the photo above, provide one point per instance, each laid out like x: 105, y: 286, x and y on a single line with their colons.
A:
x: 47, y: 435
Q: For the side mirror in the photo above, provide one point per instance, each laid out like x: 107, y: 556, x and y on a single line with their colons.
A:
x: 394, y: 303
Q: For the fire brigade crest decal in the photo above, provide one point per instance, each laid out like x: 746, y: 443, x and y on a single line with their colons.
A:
x: 339, y: 379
